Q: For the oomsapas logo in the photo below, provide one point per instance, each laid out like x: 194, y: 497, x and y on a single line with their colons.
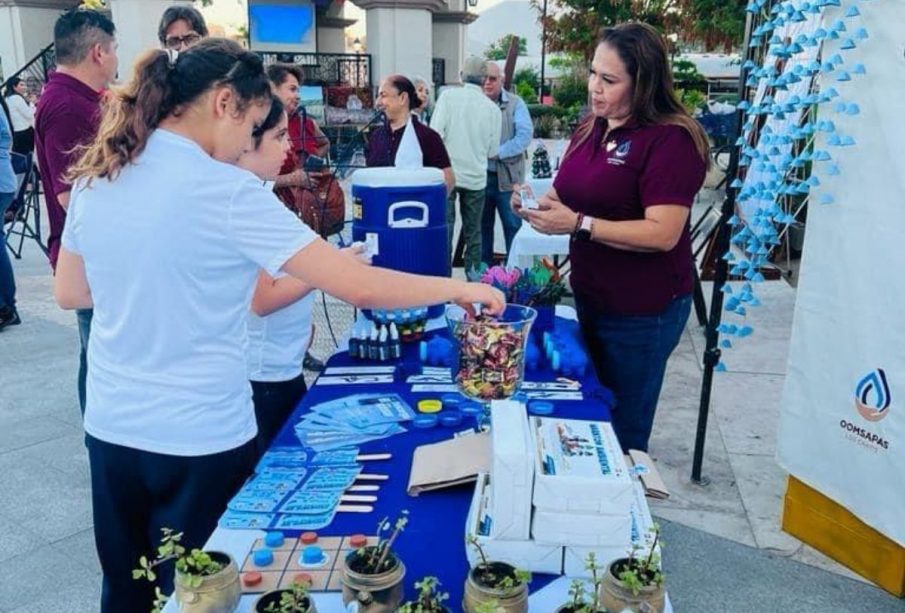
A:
x: 872, y: 401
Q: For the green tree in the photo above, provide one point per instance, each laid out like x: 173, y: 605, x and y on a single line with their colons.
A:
x: 527, y: 93
x: 499, y: 49
x: 574, y: 25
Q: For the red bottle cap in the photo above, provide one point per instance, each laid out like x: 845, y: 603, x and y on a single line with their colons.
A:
x: 308, y: 538
x: 358, y: 541
x: 252, y: 578
x: 302, y: 578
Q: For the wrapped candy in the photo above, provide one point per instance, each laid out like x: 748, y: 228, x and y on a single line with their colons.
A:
x: 491, y: 352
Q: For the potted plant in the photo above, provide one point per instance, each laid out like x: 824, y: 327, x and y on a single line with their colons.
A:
x: 636, y: 582
x: 499, y: 583
x: 580, y: 600
x: 205, y: 581
x: 429, y: 599
x: 292, y: 600
x: 372, y: 576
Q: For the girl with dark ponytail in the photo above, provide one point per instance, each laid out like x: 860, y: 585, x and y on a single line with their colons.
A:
x: 164, y: 238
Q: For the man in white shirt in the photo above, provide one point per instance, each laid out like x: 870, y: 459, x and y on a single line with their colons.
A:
x: 470, y: 125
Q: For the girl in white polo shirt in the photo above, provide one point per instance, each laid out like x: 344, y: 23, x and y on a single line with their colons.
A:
x: 164, y: 239
x: 279, y: 324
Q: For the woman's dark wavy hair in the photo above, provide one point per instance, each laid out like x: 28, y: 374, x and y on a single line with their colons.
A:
x: 644, y: 52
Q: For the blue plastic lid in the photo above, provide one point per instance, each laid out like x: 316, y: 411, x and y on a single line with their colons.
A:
x: 450, y: 419
x: 452, y: 401
x: 273, y: 539
x: 425, y: 421
x: 263, y: 557
x: 540, y: 407
x: 312, y: 554
x: 472, y: 409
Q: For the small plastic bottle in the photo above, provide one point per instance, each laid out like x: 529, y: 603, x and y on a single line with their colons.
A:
x: 354, y: 342
x: 363, y: 343
x: 395, y: 343
x: 383, y: 346
x: 374, y: 343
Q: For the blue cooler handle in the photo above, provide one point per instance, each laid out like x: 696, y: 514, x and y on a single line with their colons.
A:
x: 407, y: 223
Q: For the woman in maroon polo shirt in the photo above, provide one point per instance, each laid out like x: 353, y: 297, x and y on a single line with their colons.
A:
x: 624, y: 192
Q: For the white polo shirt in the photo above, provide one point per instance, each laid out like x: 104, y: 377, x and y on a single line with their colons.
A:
x: 172, y: 250
x: 277, y: 342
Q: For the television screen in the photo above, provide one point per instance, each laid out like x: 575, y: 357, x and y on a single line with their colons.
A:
x: 274, y: 26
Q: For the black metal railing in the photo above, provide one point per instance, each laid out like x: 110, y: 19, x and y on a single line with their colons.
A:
x: 438, y: 72
x: 329, y: 69
x: 35, y: 72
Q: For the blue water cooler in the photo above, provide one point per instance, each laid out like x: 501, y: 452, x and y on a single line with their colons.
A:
x: 401, y: 215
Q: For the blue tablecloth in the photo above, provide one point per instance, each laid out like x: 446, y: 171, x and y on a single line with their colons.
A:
x: 434, y: 540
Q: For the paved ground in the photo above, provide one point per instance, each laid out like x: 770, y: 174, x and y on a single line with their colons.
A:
x: 724, y: 550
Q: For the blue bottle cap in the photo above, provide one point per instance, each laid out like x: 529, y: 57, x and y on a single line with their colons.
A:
x: 540, y: 407
x: 311, y: 555
x: 273, y: 539
x: 452, y: 401
x: 425, y: 421
x: 263, y: 557
x: 472, y: 409
x: 450, y: 419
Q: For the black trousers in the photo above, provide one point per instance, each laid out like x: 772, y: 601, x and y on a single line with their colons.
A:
x: 136, y: 493
x: 274, y: 403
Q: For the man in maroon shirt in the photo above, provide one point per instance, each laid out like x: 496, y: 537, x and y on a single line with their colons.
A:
x: 67, y: 117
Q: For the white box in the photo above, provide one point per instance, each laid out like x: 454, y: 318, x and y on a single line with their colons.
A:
x: 512, y: 471
x: 639, y: 534
x: 579, y: 467
x: 580, y: 529
x: 524, y: 554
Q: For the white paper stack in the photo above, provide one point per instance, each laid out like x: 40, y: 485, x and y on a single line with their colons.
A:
x: 584, y: 494
x: 512, y: 471
x: 523, y: 554
x: 638, y: 535
x: 579, y: 468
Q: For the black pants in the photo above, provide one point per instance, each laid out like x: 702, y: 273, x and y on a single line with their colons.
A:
x: 136, y: 493
x: 24, y: 141
x: 274, y: 403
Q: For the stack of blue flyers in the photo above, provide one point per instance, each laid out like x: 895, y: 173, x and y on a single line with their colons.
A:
x: 353, y: 420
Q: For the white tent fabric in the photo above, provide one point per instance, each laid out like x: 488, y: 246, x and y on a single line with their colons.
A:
x: 842, y: 426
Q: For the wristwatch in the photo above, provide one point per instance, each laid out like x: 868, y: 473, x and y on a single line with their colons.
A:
x: 583, y: 233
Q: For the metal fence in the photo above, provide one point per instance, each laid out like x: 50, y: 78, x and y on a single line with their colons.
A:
x: 35, y: 72
x: 330, y: 69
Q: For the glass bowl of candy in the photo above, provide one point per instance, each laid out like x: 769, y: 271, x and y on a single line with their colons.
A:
x: 490, y: 351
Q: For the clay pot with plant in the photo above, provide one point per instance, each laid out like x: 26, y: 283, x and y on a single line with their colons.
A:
x: 205, y: 581
x: 372, y: 576
x: 636, y: 583
x: 295, y: 599
x: 430, y: 599
x: 495, y: 586
x: 580, y: 599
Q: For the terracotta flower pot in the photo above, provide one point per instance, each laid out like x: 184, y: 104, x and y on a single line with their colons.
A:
x: 375, y: 593
x: 512, y: 600
x: 617, y: 596
x: 218, y: 593
x: 274, y: 597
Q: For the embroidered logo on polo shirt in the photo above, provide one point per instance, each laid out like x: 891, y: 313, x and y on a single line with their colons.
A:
x: 617, y: 157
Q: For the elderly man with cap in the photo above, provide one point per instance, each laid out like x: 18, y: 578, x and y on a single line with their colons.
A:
x: 509, y: 167
x: 470, y: 125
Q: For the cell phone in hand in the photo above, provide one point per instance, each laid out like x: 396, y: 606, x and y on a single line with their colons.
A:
x: 528, y: 201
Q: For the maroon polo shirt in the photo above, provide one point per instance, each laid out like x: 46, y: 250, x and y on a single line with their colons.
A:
x: 384, y: 143
x: 638, y: 167
x: 67, y: 116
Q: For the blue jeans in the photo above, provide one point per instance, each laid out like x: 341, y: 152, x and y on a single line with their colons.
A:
x: 495, y: 200
x: 629, y: 355
x: 7, y: 281
x: 84, y: 317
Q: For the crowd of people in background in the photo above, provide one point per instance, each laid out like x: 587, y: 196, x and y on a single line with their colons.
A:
x: 201, y: 169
